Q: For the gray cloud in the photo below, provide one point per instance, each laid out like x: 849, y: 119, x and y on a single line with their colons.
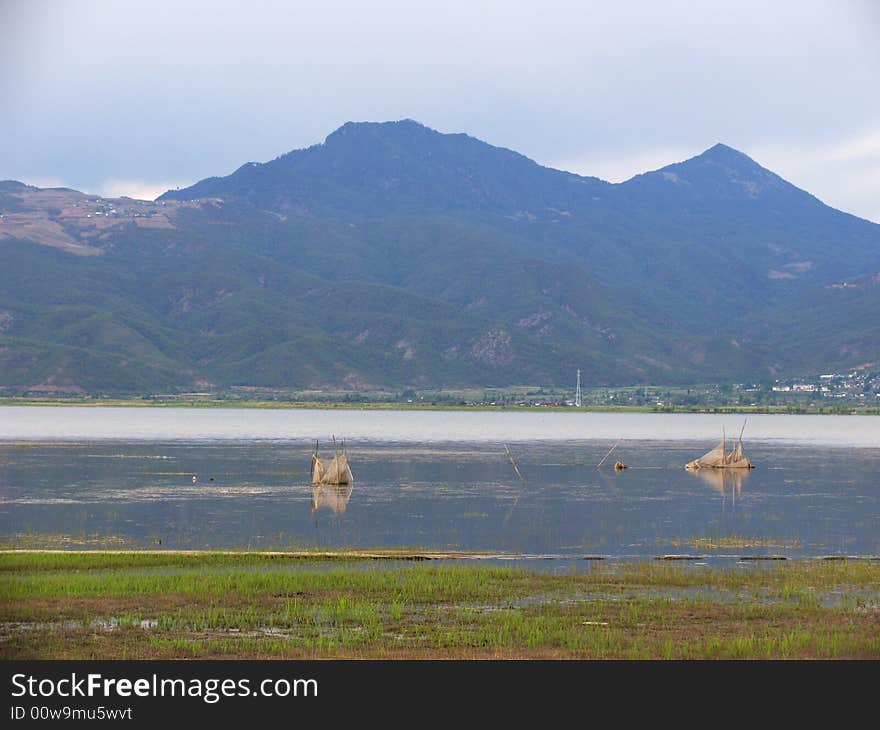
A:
x: 98, y: 92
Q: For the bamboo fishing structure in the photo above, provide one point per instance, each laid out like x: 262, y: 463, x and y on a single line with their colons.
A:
x: 721, y: 458
x: 515, y: 467
x: 336, y: 472
x: 609, y: 452
x: 522, y: 483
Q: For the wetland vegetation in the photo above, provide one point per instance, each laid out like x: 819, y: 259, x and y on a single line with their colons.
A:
x: 176, y: 605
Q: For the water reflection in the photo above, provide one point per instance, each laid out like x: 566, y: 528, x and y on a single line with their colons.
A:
x: 722, y: 480
x: 331, y: 496
x: 438, y: 496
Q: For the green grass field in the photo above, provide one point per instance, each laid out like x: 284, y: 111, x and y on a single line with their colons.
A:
x: 79, y: 605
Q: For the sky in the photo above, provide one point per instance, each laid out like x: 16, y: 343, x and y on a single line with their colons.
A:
x: 132, y: 98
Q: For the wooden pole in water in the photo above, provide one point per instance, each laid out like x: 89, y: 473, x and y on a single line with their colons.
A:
x: 609, y: 452
x: 515, y: 467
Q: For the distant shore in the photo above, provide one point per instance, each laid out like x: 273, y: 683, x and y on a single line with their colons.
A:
x: 372, y: 405
x: 423, y: 406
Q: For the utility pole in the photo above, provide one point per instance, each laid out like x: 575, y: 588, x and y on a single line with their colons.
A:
x: 577, y: 393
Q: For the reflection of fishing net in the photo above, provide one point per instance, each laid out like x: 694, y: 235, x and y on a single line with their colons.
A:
x: 332, y: 496
x: 721, y: 479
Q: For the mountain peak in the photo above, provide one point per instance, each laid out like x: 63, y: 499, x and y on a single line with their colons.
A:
x: 719, y: 173
x: 379, y: 129
x: 406, y: 123
x: 402, y: 165
x: 719, y: 177
x: 727, y: 155
x: 721, y: 148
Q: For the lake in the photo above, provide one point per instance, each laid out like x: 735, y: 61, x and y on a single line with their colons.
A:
x: 123, y: 477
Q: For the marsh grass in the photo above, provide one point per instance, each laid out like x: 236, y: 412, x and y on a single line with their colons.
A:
x: 87, y: 605
x: 61, y: 541
x: 733, y: 541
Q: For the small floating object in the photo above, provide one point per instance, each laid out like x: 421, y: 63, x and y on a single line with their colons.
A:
x: 195, y: 479
x: 619, y: 465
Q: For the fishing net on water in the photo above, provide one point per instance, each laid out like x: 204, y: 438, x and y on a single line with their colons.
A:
x: 720, y: 458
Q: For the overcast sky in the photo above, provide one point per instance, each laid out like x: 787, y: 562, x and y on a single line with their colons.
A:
x: 128, y: 97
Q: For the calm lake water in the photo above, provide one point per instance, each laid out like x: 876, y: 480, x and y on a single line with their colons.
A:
x: 123, y: 477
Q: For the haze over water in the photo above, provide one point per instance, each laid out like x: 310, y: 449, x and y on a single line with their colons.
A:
x: 52, y: 423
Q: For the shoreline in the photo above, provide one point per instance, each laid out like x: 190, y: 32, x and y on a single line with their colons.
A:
x: 411, y: 555
x: 831, y: 410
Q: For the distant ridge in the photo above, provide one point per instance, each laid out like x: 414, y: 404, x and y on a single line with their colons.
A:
x: 402, y: 166
x: 393, y: 255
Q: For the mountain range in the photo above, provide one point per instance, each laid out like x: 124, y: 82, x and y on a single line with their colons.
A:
x: 393, y: 256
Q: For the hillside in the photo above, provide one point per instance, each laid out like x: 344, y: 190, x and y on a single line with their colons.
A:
x: 392, y: 255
